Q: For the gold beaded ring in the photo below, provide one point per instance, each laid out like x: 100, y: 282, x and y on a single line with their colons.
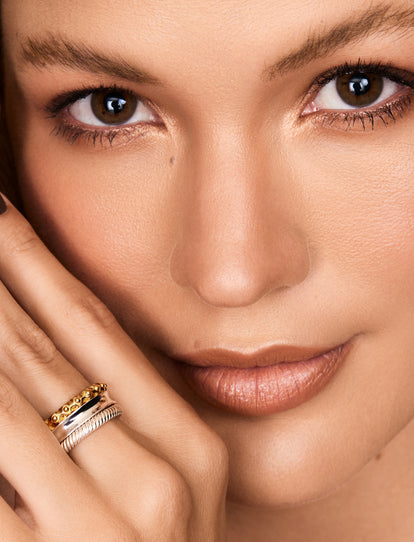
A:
x: 74, y: 404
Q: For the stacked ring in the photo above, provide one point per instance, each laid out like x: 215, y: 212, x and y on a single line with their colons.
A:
x: 90, y: 426
x: 82, y: 415
x: 73, y: 404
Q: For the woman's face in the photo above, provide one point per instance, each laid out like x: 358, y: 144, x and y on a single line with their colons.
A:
x: 246, y: 202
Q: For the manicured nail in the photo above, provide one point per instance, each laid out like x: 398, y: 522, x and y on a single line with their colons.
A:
x: 3, y: 206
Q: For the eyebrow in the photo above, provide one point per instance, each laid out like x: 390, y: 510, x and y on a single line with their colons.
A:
x: 375, y: 20
x: 54, y: 50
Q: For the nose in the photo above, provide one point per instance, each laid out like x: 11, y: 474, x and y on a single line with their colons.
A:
x: 240, y: 238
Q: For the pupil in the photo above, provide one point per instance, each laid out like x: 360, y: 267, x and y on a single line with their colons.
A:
x: 112, y: 107
x: 360, y: 89
x: 359, y: 84
x: 114, y: 104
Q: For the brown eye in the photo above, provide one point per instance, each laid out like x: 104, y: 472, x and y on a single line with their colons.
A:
x: 360, y: 89
x: 113, y: 107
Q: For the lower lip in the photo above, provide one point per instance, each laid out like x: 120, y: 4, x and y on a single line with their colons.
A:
x: 258, y: 391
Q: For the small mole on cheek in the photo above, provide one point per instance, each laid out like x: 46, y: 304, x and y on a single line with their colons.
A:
x: 378, y: 457
x: 172, y: 160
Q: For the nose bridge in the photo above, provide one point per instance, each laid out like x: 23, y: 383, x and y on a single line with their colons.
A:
x: 235, y: 245
x: 222, y: 194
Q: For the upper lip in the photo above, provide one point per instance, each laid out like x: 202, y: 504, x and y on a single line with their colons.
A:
x: 220, y: 357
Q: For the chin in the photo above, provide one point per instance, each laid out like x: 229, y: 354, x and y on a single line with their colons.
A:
x: 288, y: 486
x: 284, y: 479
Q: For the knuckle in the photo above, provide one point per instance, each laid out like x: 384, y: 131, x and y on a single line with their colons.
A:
x: 21, y: 239
x: 90, y: 312
x: 169, y: 496
x: 29, y: 344
x: 211, y: 457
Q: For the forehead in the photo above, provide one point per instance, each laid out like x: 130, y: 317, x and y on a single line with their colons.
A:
x: 176, y: 14
x: 234, y: 39
x: 203, y: 25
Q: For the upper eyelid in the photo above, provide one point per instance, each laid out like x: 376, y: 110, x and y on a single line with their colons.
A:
x: 389, y: 71
x: 395, y: 74
x: 398, y: 75
x: 62, y: 101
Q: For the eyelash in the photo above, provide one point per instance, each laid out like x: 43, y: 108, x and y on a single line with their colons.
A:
x: 386, y: 113
x: 73, y: 132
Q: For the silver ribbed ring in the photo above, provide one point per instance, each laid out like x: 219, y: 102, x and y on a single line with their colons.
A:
x: 91, y: 425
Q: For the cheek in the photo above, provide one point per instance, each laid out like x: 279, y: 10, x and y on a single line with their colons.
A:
x: 107, y: 214
x: 359, y: 218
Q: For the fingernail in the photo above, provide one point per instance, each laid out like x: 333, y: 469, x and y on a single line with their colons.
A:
x: 3, y: 206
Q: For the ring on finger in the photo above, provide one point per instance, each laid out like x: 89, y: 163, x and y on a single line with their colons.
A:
x: 74, y: 404
x: 87, y: 418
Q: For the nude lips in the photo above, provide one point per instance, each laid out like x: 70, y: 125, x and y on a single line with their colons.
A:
x: 267, y: 382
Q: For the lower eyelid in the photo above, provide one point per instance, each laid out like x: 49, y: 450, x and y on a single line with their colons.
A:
x: 73, y: 131
x: 364, y: 119
x: 76, y: 134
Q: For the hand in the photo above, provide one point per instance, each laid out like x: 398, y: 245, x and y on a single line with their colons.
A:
x: 157, y: 473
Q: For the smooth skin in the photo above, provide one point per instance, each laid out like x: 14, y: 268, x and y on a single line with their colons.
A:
x: 131, y: 491
x: 236, y: 221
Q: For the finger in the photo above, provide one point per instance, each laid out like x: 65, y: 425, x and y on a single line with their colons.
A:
x: 87, y: 334
x: 42, y: 375
x: 61, y: 501
x: 38, y: 469
x: 80, y: 326
x: 138, y: 485
x: 11, y: 526
x: 32, y: 361
x: 144, y: 489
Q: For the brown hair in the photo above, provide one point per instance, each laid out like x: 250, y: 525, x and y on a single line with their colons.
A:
x: 8, y: 177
